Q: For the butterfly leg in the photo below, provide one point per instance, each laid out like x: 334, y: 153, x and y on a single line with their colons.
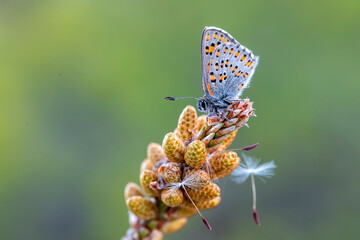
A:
x: 223, y: 115
x: 228, y: 102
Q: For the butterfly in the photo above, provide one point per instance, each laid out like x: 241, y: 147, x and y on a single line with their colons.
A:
x: 227, y: 68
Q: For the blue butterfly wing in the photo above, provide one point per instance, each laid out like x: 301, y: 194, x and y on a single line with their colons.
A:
x: 227, y: 66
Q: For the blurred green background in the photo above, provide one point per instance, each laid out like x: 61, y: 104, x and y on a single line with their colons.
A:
x: 82, y: 86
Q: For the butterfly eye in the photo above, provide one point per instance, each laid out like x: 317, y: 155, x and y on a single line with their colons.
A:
x: 203, y: 105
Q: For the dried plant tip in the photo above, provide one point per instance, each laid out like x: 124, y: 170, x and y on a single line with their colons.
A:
x: 224, y: 164
x: 230, y: 122
x: 132, y: 189
x: 214, y: 119
x: 234, y: 113
x: 224, y: 131
x: 154, y: 152
x: 206, y: 223
x: 172, y: 197
x: 186, y: 124
x: 173, y: 225
x: 208, y: 138
x: 215, y: 128
x: 248, y: 148
x: 209, y: 192
x: 195, y: 154
x: 240, y: 110
x: 146, y: 165
x: 219, y: 140
x: 256, y: 217
x: 142, y: 207
x: 173, y: 148
x: 146, y: 177
x: 171, y: 172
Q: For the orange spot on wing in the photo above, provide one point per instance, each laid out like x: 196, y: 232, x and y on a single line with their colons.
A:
x: 215, y: 35
x: 245, y: 74
x: 209, y: 89
x: 243, y: 57
x: 237, y: 54
x: 211, y: 61
x: 207, y: 37
x: 240, y: 86
x: 212, y: 48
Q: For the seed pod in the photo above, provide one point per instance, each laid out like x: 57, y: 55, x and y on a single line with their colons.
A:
x: 154, y: 152
x: 141, y: 207
x: 195, y: 154
x: 186, y: 124
x: 209, y: 192
x: 195, y: 179
x: 224, y: 164
x: 172, y: 197
x: 204, y: 205
x: 173, y: 148
x: 180, y: 212
x: 146, y: 177
x: 173, y: 225
x: 199, y: 123
x: 147, y: 164
x: 171, y: 172
x: 154, y: 235
x: 133, y: 189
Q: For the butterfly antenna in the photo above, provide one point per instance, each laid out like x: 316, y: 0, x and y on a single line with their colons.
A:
x: 173, y: 99
x: 203, y: 219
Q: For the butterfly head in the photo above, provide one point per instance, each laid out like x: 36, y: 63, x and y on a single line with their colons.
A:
x: 203, y: 105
